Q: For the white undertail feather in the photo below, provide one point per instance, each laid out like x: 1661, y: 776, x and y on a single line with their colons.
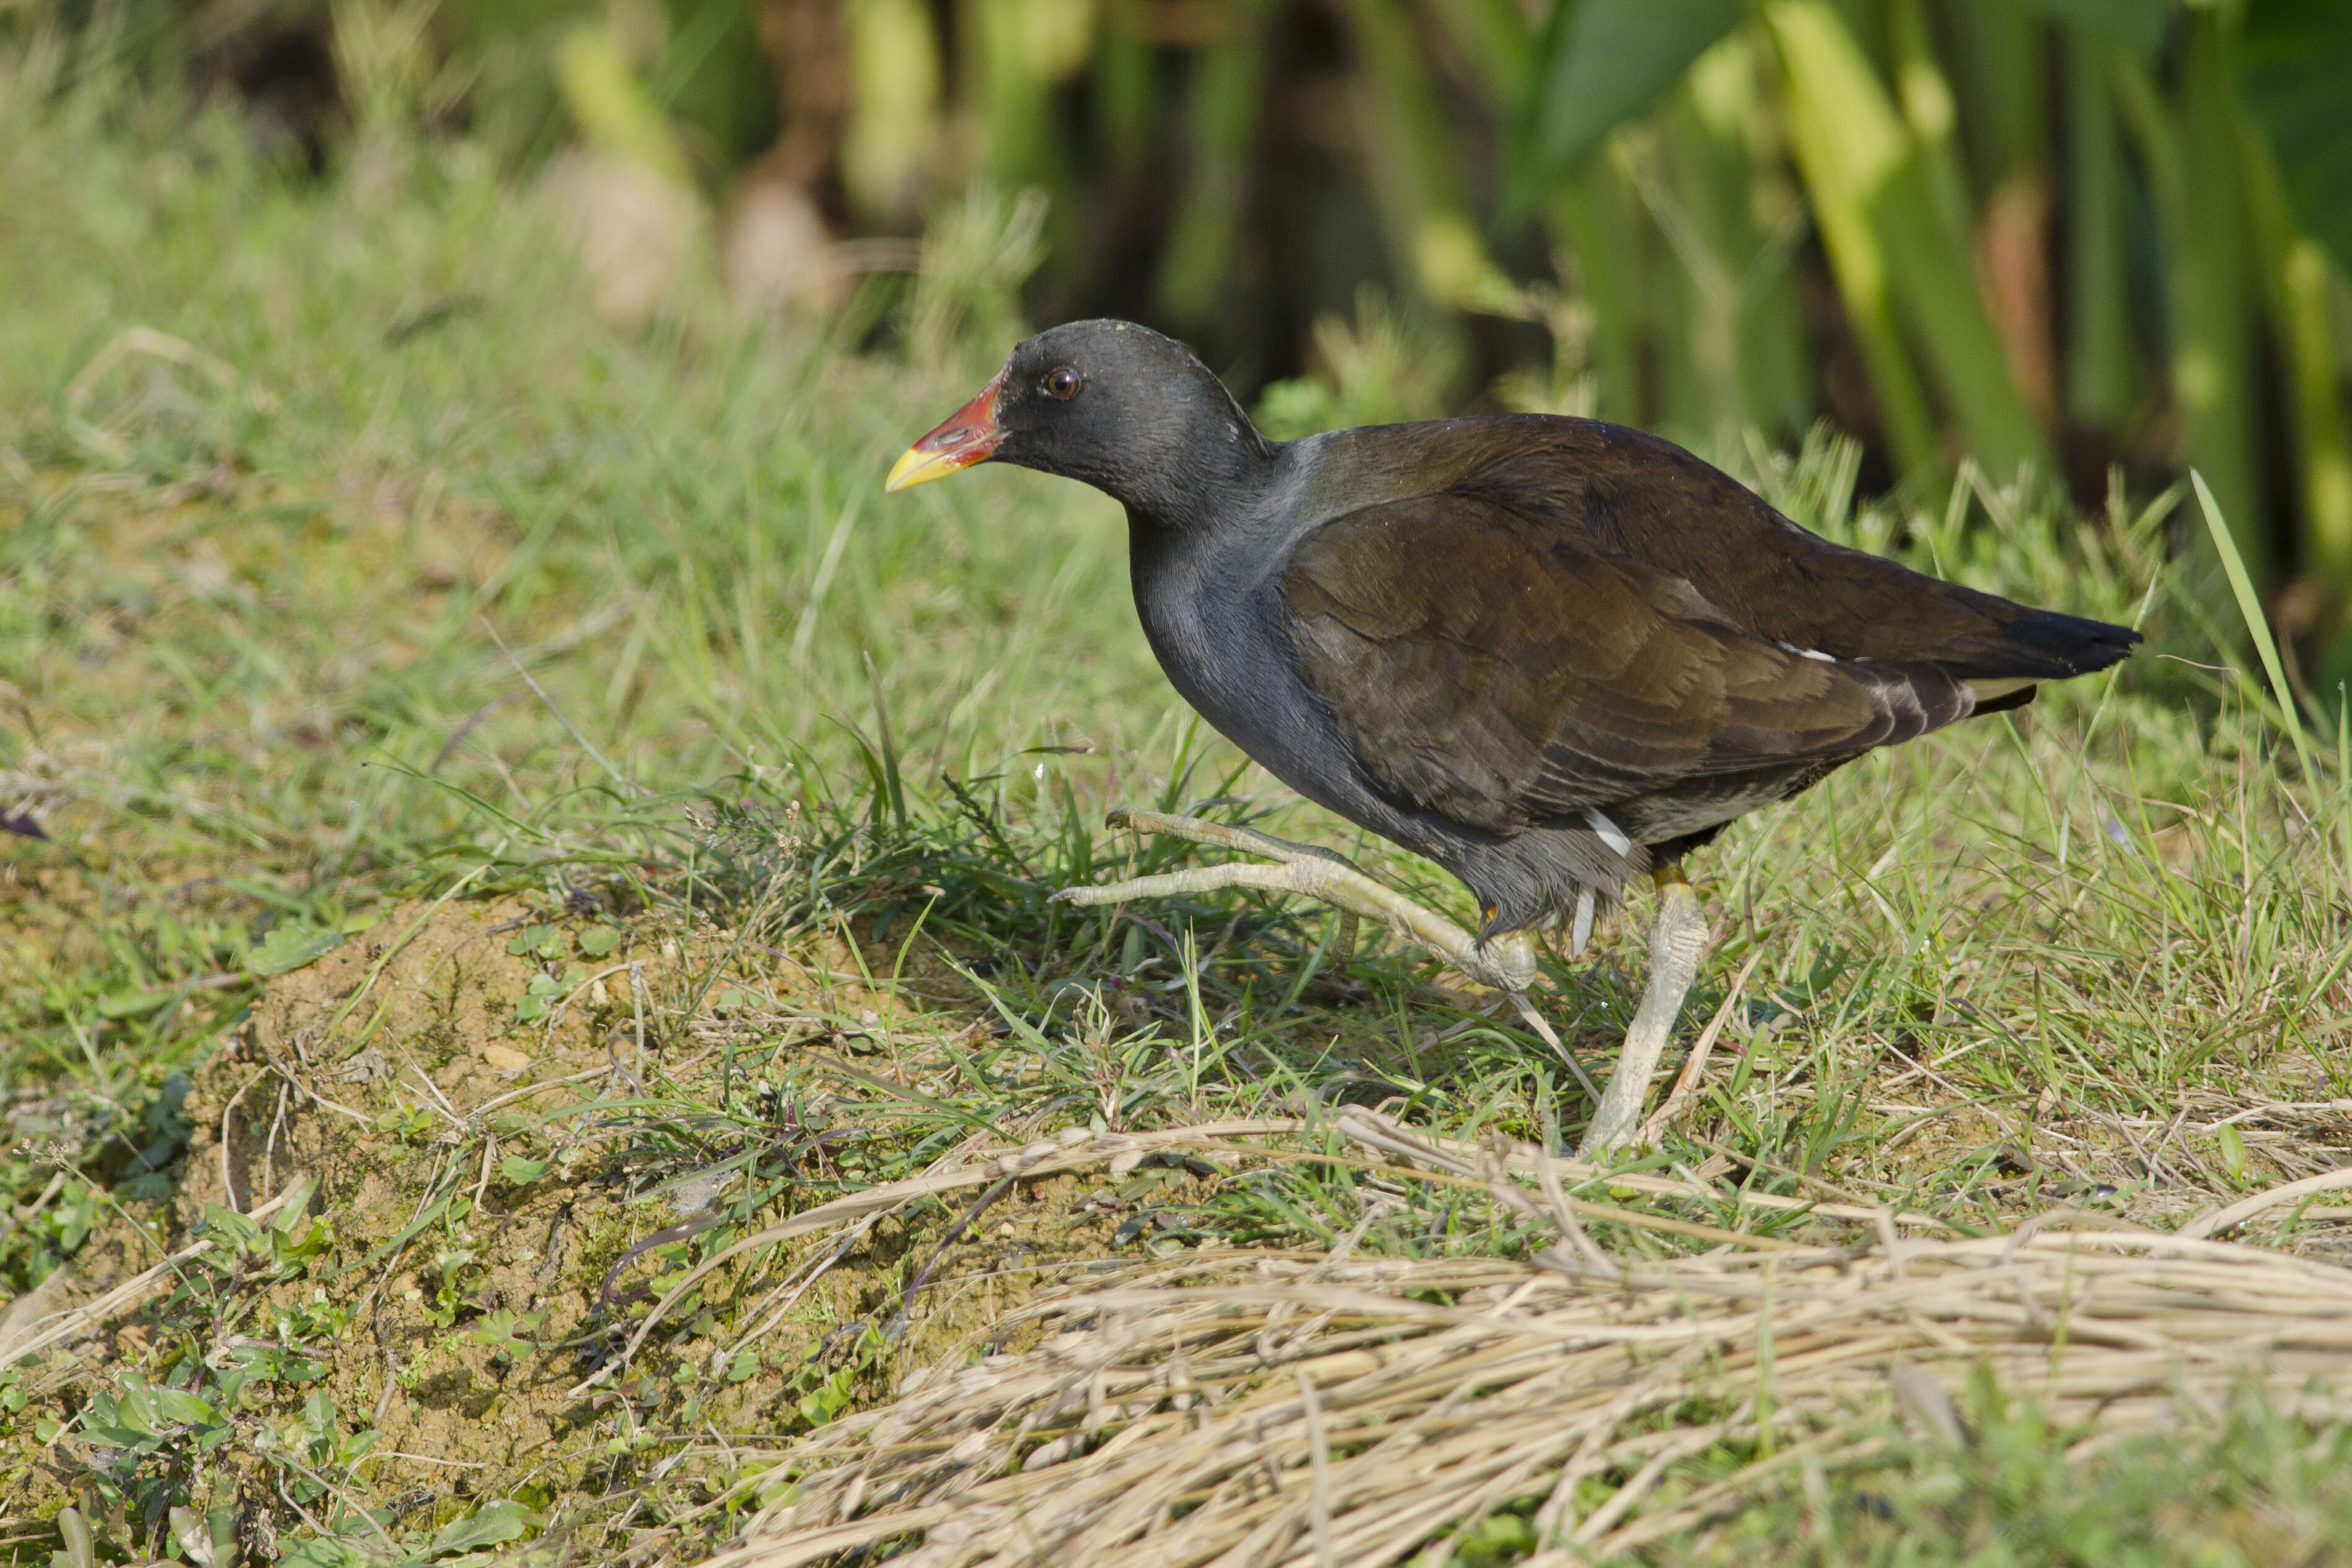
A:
x: 1611, y: 834
x: 1582, y: 933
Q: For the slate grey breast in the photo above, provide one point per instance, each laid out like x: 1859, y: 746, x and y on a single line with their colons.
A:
x: 1547, y: 653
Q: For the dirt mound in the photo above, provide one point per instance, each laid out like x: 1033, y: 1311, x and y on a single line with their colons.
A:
x: 522, y: 1187
x: 404, y: 1077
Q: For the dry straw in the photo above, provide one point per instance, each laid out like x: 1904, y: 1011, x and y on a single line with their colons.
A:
x: 1250, y: 1409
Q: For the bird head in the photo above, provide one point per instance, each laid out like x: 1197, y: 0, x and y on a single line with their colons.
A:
x: 1114, y: 405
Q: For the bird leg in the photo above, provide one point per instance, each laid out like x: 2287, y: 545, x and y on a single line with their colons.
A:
x: 1507, y: 962
x: 1675, y: 943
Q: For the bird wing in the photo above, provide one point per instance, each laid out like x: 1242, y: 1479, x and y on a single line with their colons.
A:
x: 1628, y: 495
x: 1499, y: 671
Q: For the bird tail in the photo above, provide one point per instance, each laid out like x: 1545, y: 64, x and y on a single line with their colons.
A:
x: 2031, y: 646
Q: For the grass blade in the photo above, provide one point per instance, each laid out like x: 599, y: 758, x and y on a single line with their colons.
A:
x: 2251, y: 608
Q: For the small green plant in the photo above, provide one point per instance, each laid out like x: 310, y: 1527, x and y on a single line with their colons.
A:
x: 152, y: 1438
x: 456, y: 1275
x: 410, y: 1123
x: 826, y: 1380
x: 277, y: 1247
x: 537, y: 942
x: 324, y: 1444
x: 137, y: 1420
x: 2233, y: 1152
x: 507, y: 1336
x: 541, y: 994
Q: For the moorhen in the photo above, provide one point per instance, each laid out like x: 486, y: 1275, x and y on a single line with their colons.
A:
x: 1547, y: 653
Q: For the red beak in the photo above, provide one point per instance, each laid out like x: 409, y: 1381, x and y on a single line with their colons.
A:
x: 967, y: 437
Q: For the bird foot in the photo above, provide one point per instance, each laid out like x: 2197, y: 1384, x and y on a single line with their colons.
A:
x: 1507, y: 962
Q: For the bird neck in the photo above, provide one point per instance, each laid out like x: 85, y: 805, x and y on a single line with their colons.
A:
x: 1189, y: 480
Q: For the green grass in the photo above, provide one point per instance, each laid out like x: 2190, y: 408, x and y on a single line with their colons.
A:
x: 406, y: 569
x: 2246, y: 1486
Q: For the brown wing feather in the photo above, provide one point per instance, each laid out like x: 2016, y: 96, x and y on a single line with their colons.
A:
x: 1630, y: 495
x: 1498, y: 672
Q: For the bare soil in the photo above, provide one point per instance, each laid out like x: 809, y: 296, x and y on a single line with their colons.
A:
x: 394, y: 1075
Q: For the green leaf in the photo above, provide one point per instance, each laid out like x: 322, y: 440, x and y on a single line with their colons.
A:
x: 522, y: 1172
x: 132, y: 1003
x: 2134, y: 24
x: 489, y: 1525
x: 320, y: 1551
x: 238, y: 1229
x: 532, y: 939
x: 294, y: 1206
x: 496, y: 1329
x: 130, y: 1420
x: 2233, y: 1152
x: 743, y: 1365
x: 106, y: 1435
x: 1606, y: 61
x: 288, y: 948
x: 184, y: 1408
x: 502, y: 1331
x: 598, y: 940
x: 2295, y: 62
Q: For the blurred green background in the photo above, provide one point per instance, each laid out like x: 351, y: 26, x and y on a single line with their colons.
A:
x: 2077, y: 243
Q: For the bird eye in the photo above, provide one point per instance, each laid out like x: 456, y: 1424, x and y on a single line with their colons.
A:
x: 1062, y: 384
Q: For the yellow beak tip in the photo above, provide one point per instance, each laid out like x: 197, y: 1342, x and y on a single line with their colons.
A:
x: 917, y: 467
x: 907, y: 471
